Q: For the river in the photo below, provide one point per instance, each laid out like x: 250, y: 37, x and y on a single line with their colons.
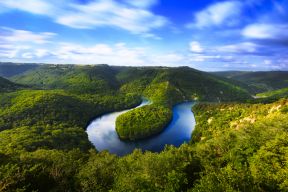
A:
x: 102, y: 134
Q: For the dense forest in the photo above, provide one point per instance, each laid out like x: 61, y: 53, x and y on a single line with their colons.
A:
x: 261, y: 81
x: 239, y: 143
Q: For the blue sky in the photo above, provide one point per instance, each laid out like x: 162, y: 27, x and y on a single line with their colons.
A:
x: 204, y: 34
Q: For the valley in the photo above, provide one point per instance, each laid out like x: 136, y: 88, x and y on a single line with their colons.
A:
x: 50, y: 113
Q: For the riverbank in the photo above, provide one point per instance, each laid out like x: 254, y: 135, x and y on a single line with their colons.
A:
x: 102, y: 134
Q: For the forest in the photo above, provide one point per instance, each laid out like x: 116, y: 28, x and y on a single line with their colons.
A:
x: 239, y: 143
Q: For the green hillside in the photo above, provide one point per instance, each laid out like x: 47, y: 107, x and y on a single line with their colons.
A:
x: 44, y: 146
x: 163, y: 86
x: 259, y: 81
x: 88, y: 79
x: 52, y: 119
x: 192, y: 84
x: 280, y: 93
x: 8, y: 69
x: 7, y: 86
x: 235, y: 147
x: 242, y: 147
x: 168, y: 86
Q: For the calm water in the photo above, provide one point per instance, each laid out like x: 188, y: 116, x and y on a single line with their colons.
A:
x: 102, y: 133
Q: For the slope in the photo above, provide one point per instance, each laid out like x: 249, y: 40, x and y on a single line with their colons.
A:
x: 261, y: 81
x: 7, y: 86
x: 168, y: 86
x: 163, y: 86
x: 277, y: 94
x: 80, y: 79
x: 8, y: 69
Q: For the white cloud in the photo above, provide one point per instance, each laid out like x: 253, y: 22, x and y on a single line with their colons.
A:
x: 267, y: 62
x: 266, y: 31
x: 222, y: 13
x: 245, y: 47
x: 196, y: 47
x: 134, y: 16
x: 111, y: 13
x: 32, y: 6
x: 116, y: 54
x: 18, y: 36
x: 211, y: 58
x: 14, y: 42
x: 27, y: 55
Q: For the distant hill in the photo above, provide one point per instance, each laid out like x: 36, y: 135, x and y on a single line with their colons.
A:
x: 7, y: 86
x: 8, y: 69
x: 81, y: 79
x: 259, y: 81
x: 183, y: 83
x: 279, y: 93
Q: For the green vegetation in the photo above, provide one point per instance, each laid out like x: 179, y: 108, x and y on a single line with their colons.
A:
x: 279, y: 93
x: 76, y: 79
x: 188, y: 83
x: 44, y: 147
x: 242, y: 146
x: 230, y: 151
x: 259, y: 81
x: 8, y: 69
x: 163, y: 86
x: 149, y: 120
x: 7, y: 86
x: 49, y: 107
x: 168, y: 87
x: 143, y: 122
x: 52, y: 119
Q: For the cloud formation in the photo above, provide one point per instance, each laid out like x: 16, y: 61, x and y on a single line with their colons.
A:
x: 133, y: 16
x: 266, y: 31
x: 18, y: 36
x: 222, y: 13
x: 13, y: 41
x: 227, y: 34
x: 16, y: 45
x: 196, y: 47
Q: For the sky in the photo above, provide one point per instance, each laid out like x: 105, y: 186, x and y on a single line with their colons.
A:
x: 207, y: 35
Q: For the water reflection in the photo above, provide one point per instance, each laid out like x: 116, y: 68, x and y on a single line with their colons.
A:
x: 102, y: 133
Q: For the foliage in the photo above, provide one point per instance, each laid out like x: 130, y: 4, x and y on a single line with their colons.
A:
x: 143, y: 122
x: 187, y: 82
x: 52, y: 107
x: 241, y: 146
x: 44, y: 147
x: 259, y: 81
x: 89, y: 79
x: 7, y: 86
x: 279, y: 93
x: 8, y: 69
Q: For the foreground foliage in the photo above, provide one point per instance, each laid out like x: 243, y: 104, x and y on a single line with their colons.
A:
x: 242, y: 146
x: 235, y: 147
x: 44, y: 147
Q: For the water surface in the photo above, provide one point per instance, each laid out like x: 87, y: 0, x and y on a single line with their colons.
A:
x: 102, y: 133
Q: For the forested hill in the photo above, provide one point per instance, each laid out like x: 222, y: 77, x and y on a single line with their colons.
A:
x: 8, y: 69
x: 44, y: 147
x: 260, y: 81
x: 183, y: 82
x: 97, y: 84
x: 277, y: 93
x: 6, y: 85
